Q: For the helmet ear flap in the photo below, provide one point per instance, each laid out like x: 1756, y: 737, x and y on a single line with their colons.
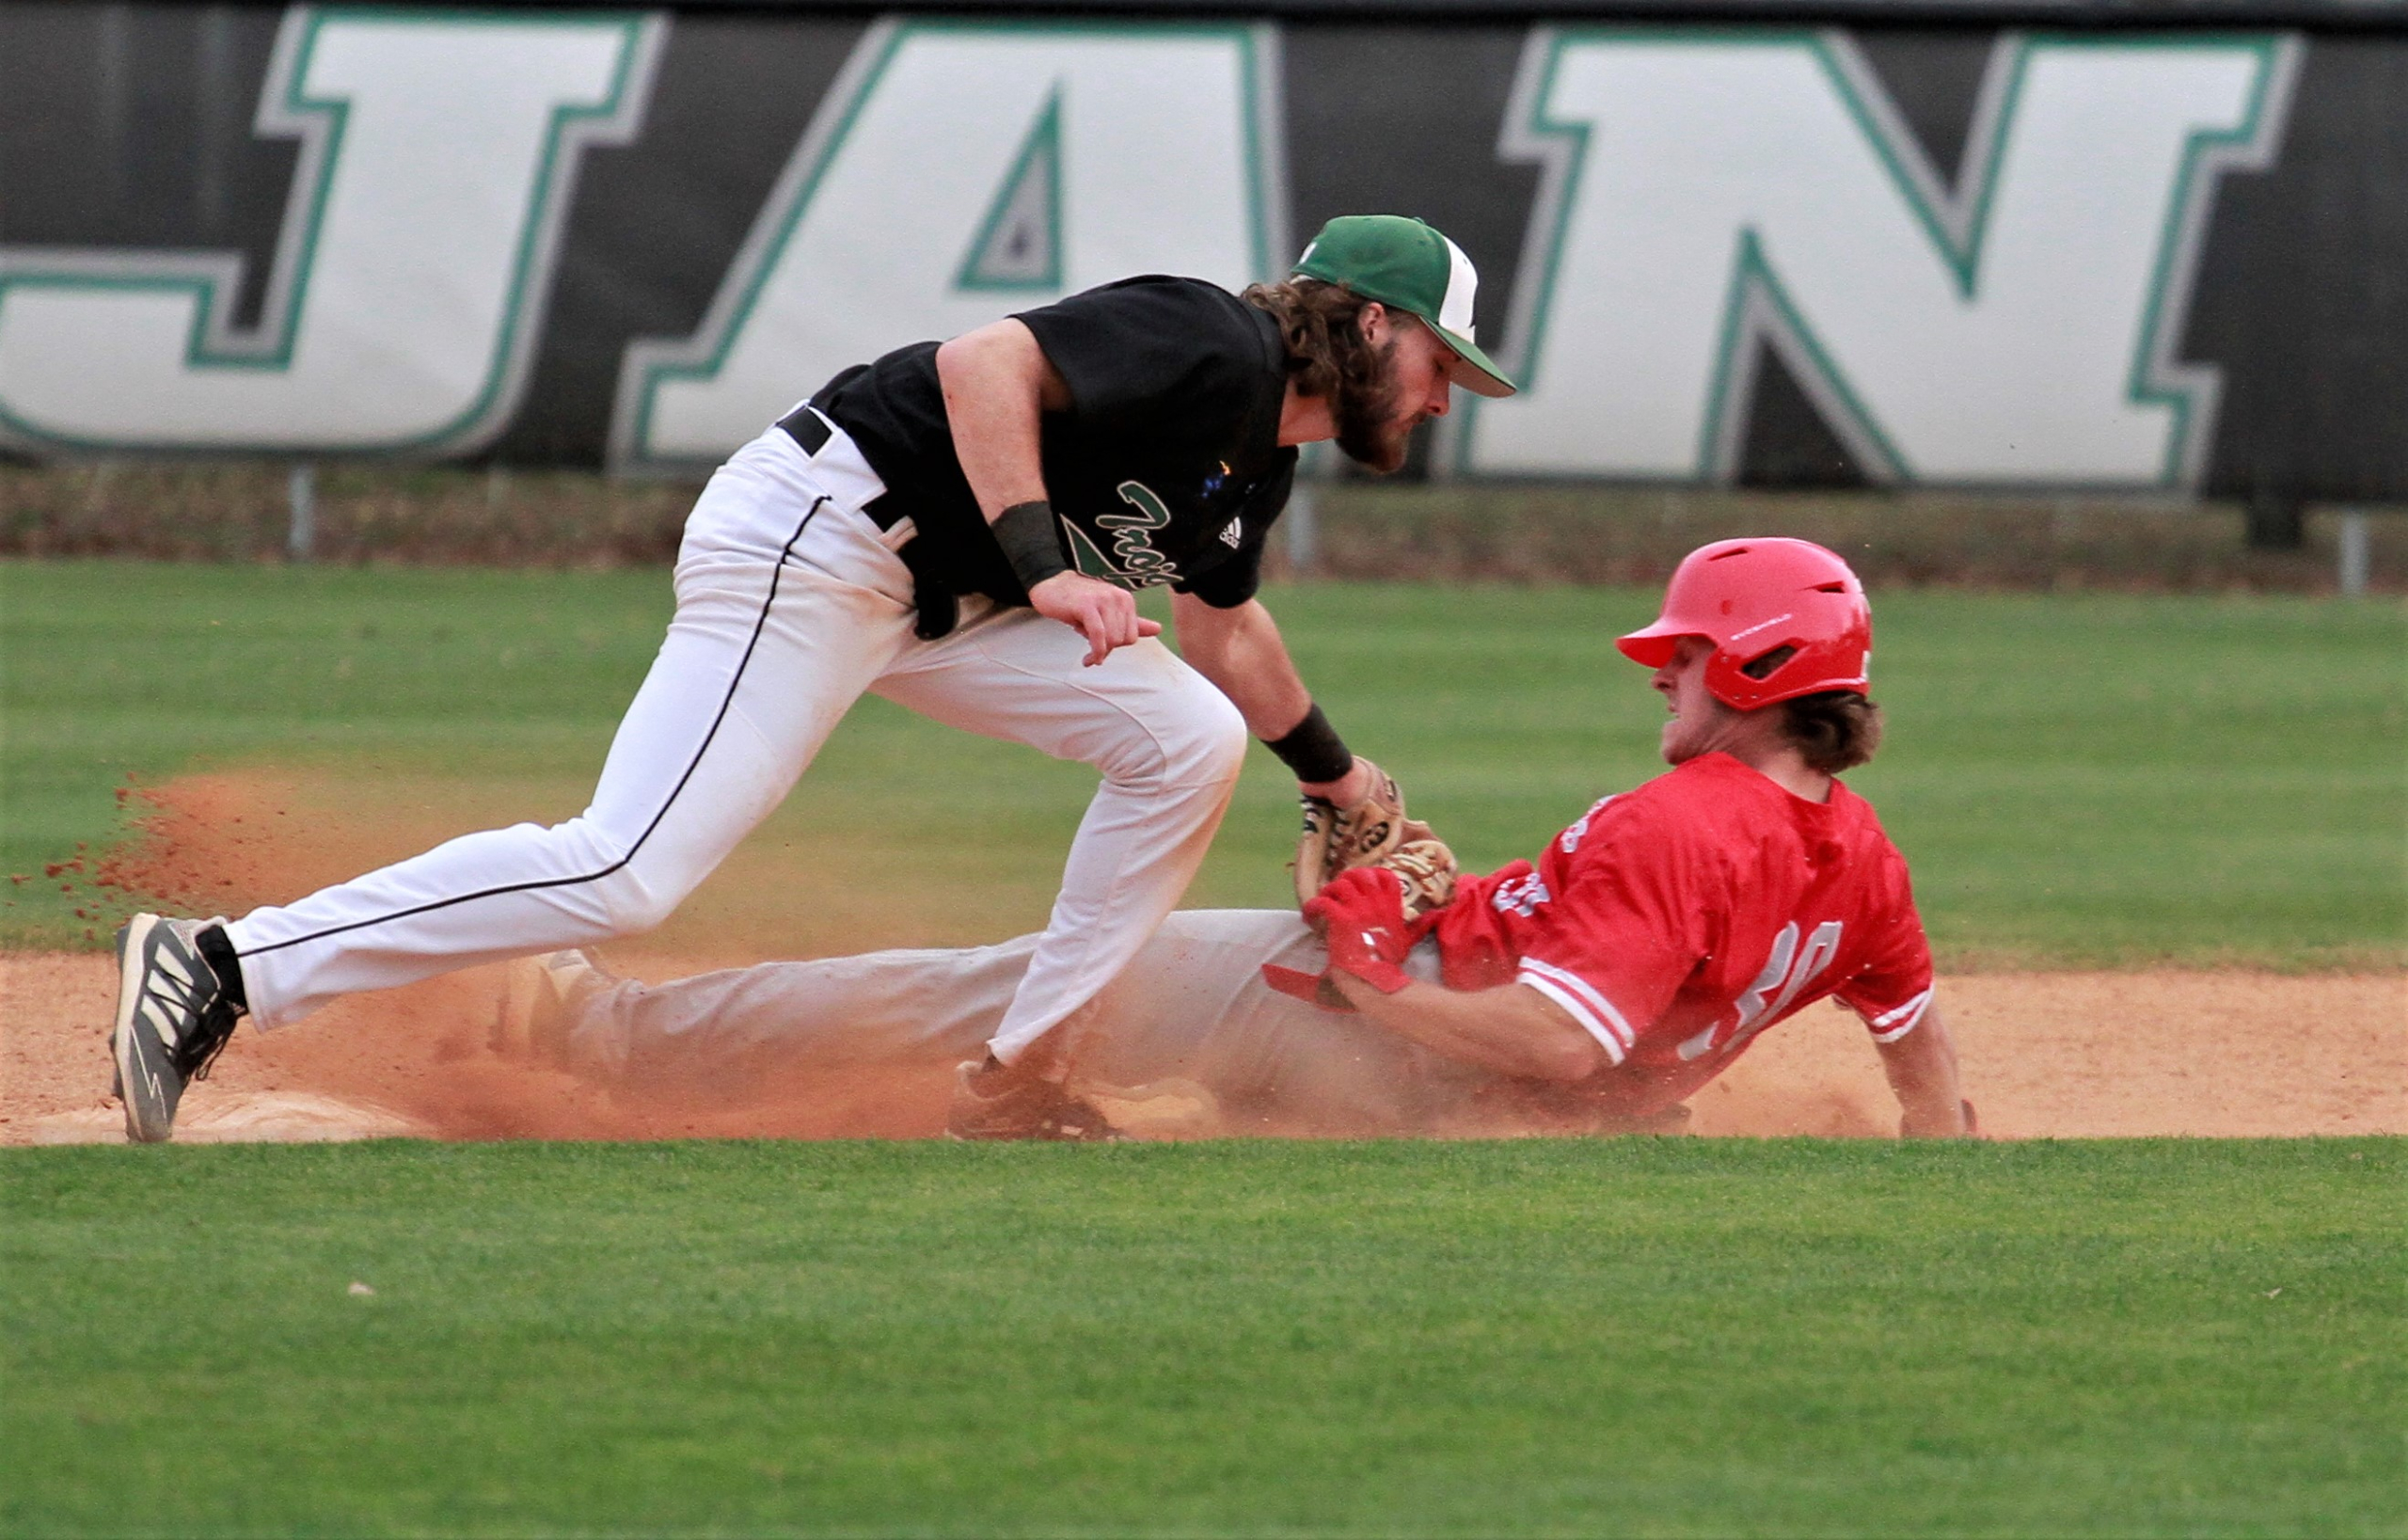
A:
x: 1766, y: 664
x: 1740, y: 681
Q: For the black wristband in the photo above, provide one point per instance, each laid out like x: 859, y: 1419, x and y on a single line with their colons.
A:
x: 1027, y: 531
x: 1314, y: 751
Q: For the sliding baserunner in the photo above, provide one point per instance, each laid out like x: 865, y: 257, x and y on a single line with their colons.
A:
x: 1652, y: 942
x: 961, y: 528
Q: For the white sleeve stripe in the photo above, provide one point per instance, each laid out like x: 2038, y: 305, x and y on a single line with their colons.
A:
x: 1600, y: 1009
x: 1912, y: 1012
x: 1912, y: 1006
x: 1579, y: 1013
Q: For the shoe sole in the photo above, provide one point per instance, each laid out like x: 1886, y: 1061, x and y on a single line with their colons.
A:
x: 146, y: 1121
x: 539, y: 999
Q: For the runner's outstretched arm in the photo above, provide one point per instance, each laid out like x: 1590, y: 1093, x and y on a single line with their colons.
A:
x: 1921, y: 1067
x: 1514, y: 1029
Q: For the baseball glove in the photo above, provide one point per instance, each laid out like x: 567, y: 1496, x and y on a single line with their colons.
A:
x: 1375, y: 831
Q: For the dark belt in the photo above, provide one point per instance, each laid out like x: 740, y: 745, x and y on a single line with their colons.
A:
x: 806, y: 428
x: 938, y: 610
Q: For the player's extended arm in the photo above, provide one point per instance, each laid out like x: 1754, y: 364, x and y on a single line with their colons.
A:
x: 997, y: 384
x: 1241, y: 651
x: 1514, y: 1029
x: 1921, y: 1067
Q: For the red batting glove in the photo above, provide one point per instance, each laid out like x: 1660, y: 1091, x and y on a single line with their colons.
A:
x: 1362, y: 911
x: 1361, y: 914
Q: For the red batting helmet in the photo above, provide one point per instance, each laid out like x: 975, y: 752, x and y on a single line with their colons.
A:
x: 1753, y: 597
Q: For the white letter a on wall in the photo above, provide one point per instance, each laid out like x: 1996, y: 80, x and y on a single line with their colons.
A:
x: 438, y: 154
x: 956, y: 173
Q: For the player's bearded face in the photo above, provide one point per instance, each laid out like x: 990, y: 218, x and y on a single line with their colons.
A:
x: 1372, y: 428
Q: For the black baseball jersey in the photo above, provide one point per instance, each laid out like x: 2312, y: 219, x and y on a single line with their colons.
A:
x: 1166, y: 467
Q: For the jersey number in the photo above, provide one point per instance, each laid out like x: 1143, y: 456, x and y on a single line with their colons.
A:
x: 1788, y: 971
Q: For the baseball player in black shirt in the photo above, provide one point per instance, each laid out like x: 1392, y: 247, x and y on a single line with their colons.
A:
x: 961, y: 527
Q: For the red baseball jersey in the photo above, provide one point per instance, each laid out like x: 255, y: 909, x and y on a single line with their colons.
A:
x: 1679, y: 920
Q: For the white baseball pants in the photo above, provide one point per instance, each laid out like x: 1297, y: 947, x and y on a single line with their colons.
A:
x: 791, y: 603
x: 1192, y: 1007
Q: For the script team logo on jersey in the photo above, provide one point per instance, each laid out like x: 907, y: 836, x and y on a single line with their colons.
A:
x: 1133, y: 562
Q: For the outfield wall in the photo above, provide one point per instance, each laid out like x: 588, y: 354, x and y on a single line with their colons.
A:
x: 2170, y: 261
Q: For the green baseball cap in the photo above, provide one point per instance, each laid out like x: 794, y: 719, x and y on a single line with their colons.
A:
x: 1404, y: 264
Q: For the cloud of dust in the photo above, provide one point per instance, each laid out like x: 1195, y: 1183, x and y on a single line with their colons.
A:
x: 2190, y: 1055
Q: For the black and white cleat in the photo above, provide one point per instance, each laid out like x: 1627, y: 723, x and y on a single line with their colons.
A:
x: 173, y: 1016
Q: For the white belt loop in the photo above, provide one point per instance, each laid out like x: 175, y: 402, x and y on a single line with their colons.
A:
x: 840, y: 467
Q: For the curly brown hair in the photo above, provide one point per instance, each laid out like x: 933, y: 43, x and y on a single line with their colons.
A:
x: 1836, y: 730
x: 1320, y: 326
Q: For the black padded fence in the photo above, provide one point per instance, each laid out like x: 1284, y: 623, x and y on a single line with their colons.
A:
x: 2157, y: 250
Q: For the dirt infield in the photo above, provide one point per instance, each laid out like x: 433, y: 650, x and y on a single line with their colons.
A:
x: 2086, y: 1054
x: 2047, y: 1055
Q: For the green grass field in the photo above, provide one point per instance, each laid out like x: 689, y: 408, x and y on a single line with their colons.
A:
x: 2079, y: 781
x: 1617, y: 1337
x: 1599, y: 1337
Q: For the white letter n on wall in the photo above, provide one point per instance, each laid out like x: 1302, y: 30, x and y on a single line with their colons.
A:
x: 1709, y: 192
